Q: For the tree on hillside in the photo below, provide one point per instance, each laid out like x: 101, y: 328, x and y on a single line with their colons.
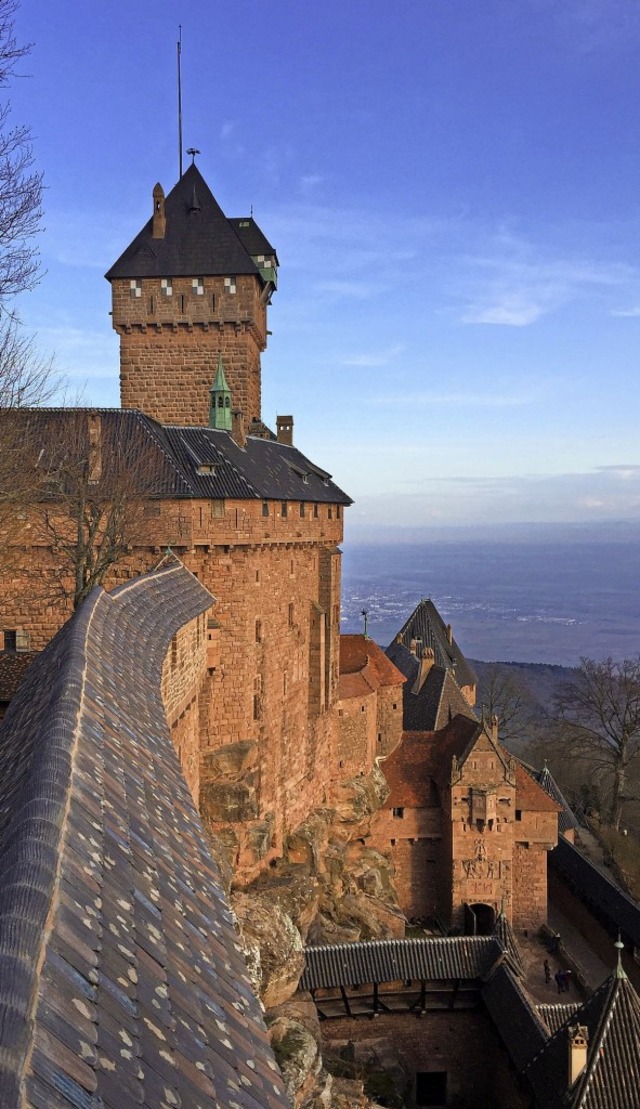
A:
x: 507, y: 696
x: 598, y: 719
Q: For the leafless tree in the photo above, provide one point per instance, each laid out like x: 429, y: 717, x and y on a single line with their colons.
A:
x: 92, y: 501
x: 508, y: 697
x: 598, y: 721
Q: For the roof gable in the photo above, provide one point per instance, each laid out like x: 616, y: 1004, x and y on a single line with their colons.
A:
x: 199, y: 239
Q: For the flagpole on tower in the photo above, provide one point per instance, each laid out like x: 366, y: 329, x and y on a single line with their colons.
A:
x: 180, y: 98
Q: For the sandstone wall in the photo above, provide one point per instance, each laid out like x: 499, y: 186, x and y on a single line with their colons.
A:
x: 413, y: 842
x: 183, y: 675
x: 169, y: 346
x: 358, y: 733
x: 389, y: 723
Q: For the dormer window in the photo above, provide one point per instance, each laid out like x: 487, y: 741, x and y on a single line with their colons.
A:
x: 135, y: 287
x: 166, y: 287
x: 197, y: 284
x: 229, y: 284
x: 205, y: 468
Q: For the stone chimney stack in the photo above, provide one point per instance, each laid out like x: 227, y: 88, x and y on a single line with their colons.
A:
x: 426, y: 662
x: 159, y: 217
x: 238, y: 428
x: 494, y: 727
x: 94, y: 460
x: 578, y: 1045
x: 284, y: 429
x: 449, y: 635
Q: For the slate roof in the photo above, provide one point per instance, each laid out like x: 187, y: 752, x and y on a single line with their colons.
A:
x: 596, y: 888
x: 555, y: 1016
x: 517, y: 1021
x: 438, y: 699
x: 13, y: 668
x: 121, y: 979
x: 566, y: 818
x: 199, y: 239
x: 611, y: 1079
x: 165, y: 460
x: 433, y: 959
x: 426, y: 624
x: 253, y: 239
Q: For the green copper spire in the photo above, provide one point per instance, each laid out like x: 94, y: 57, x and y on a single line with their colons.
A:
x: 220, y: 407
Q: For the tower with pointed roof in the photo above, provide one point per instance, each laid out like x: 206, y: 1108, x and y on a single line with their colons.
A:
x: 192, y: 287
x: 220, y: 407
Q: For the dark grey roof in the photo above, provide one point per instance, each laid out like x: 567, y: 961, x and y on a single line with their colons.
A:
x: 199, y: 239
x: 611, y: 1079
x: 544, y: 777
x: 427, y: 625
x: 13, y: 669
x: 121, y: 978
x: 165, y: 460
x: 597, y: 889
x: 507, y: 937
x: 437, y: 701
x: 431, y: 959
x: 517, y: 1021
x: 555, y: 1016
x: 253, y: 239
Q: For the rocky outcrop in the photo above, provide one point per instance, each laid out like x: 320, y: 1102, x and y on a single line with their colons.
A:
x: 272, y: 944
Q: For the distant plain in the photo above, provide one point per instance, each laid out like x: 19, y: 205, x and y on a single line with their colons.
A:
x: 537, y: 593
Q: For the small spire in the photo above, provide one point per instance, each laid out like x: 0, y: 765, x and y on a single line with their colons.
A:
x: 220, y: 416
x: 195, y: 205
x: 619, y: 971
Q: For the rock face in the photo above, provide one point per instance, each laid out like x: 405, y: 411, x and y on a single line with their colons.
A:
x: 273, y: 946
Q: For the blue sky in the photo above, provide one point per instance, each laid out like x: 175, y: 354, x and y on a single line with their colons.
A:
x: 452, y: 188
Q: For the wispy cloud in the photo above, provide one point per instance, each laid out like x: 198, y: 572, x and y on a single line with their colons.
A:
x: 379, y: 358
x: 516, y: 283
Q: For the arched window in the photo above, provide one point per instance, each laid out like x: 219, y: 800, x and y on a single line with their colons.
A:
x: 227, y: 402
x: 220, y: 401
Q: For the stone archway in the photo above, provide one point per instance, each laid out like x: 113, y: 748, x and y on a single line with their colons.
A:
x: 480, y: 919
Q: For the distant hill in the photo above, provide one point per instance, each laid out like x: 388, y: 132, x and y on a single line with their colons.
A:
x: 540, y: 679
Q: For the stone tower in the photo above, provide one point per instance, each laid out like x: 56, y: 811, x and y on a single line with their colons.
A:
x: 192, y: 287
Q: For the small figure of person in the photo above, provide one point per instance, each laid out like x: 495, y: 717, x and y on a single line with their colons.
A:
x: 547, y: 971
x: 559, y: 982
x: 566, y: 977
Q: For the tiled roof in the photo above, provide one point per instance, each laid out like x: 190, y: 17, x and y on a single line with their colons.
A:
x: 517, y: 1021
x: 364, y: 668
x: 597, y: 888
x: 555, y: 1016
x: 121, y: 978
x: 432, y: 959
x: 13, y: 668
x: 438, y: 699
x: 544, y: 778
x: 253, y: 239
x: 409, y: 772
x: 611, y: 1079
x: 199, y: 239
x: 165, y: 460
x: 530, y: 795
x: 426, y: 624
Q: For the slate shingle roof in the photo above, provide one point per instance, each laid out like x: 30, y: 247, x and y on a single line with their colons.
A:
x: 121, y: 979
x: 199, y: 239
x: 166, y: 460
x: 438, y: 699
x: 253, y: 239
x: 566, y: 818
x: 432, y: 959
x: 427, y: 625
x: 611, y: 1079
x: 517, y: 1021
x: 596, y: 888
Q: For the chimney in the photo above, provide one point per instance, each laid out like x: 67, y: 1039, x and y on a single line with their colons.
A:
x: 426, y: 662
x: 284, y: 430
x: 159, y: 218
x: 94, y: 461
x: 238, y: 429
x: 449, y: 634
x: 413, y: 647
x: 578, y: 1045
x: 494, y: 727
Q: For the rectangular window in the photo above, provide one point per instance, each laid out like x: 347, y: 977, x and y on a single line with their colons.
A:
x: 518, y: 814
x: 284, y: 510
x: 135, y: 288
x: 11, y: 640
x: 197, y: 284
x: 303, y: 508
x: 229, y: 284
x: 315, y: 511
x: 166, y: 286
x: 217, y: 510
x: 337, y: 512
x: 329, y: 512
x: 291, y: 614
x: 265, y: 508
x: 399, y: 813
x: 258, y: 631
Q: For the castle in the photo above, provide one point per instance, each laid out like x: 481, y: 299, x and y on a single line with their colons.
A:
x: 284, y: 730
